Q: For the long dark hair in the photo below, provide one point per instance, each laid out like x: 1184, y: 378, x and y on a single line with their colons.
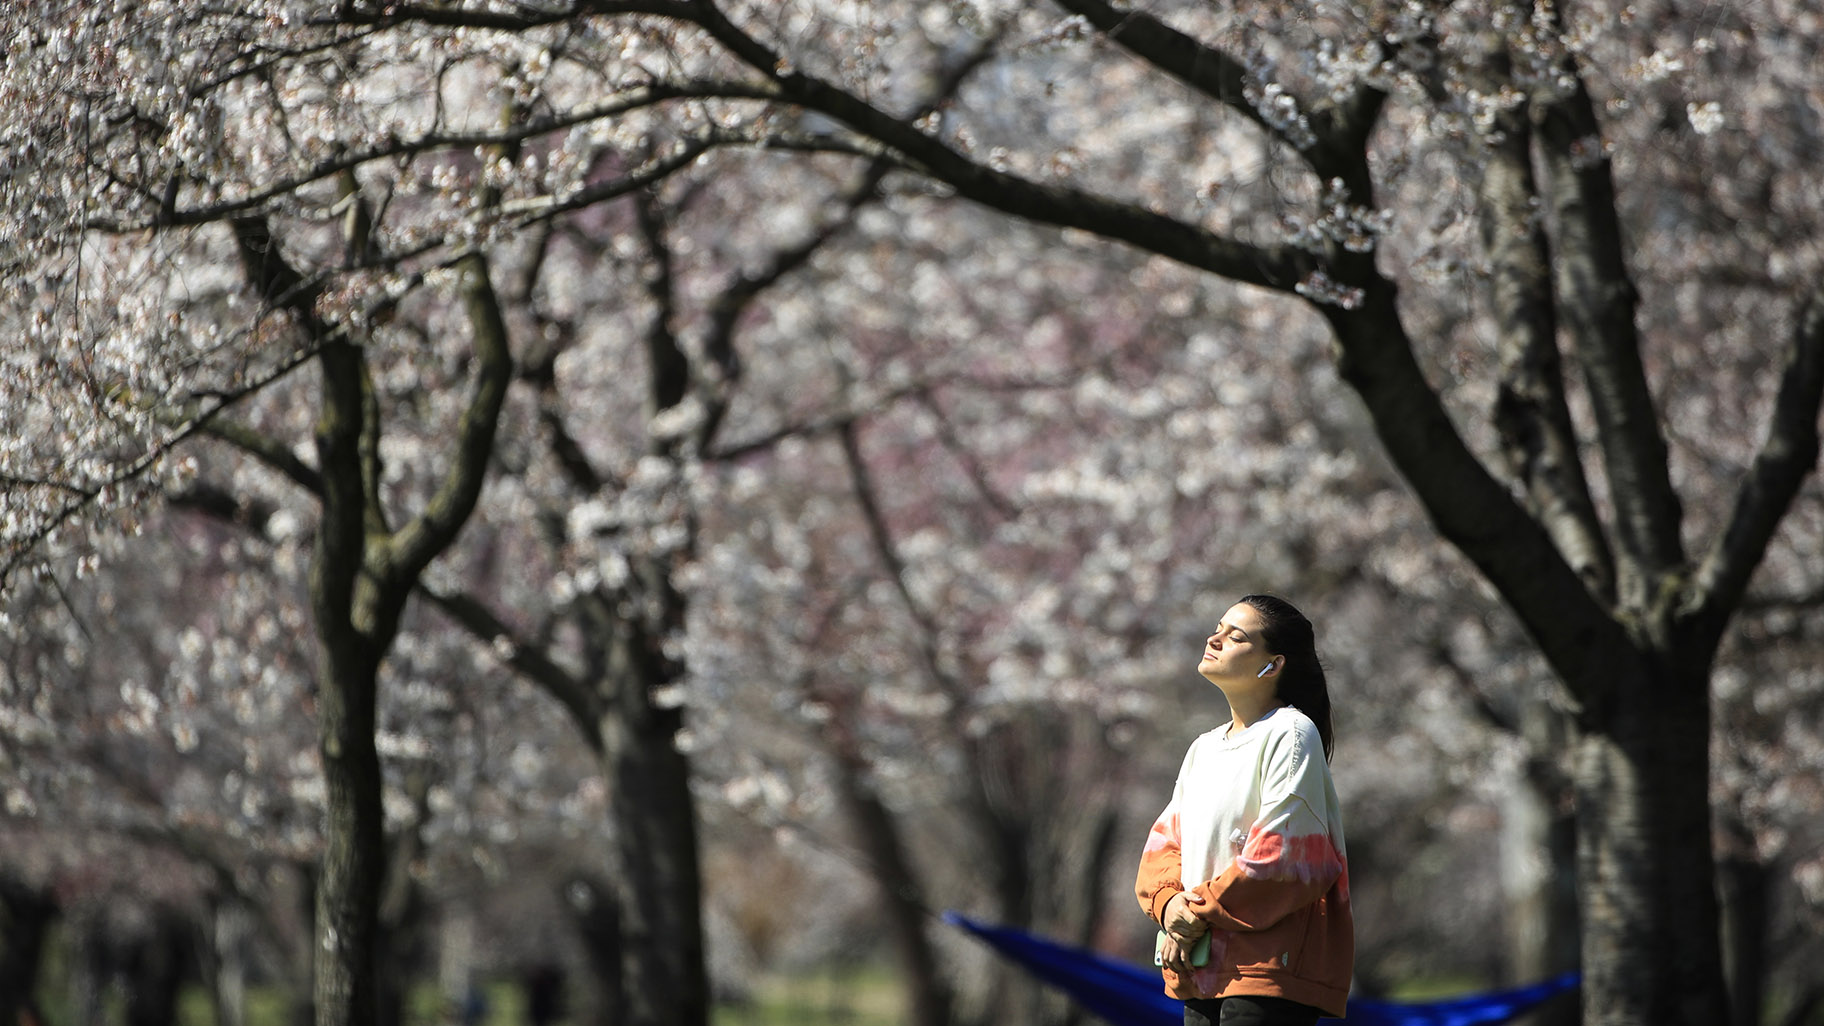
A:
x: 1286, y: 632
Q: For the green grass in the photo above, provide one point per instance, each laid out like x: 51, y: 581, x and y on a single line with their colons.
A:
x: 271, y: 1006
x: 846, y: 997
x: 837, y: 997
x: 1437, y: 988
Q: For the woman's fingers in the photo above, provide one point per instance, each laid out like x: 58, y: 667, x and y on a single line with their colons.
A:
x: 1172, y: 954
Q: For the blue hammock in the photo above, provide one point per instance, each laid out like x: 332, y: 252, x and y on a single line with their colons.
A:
x: 1128, y: 995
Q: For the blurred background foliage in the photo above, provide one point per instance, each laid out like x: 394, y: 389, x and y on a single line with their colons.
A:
x: 845, y: 548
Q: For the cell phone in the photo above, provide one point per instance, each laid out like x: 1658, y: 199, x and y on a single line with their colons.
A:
x: 1200, y: 950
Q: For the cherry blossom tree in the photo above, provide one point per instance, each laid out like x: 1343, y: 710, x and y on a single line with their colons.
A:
x: 162, y: 760
x: 987, y: 629
x: 1552, y: 123
x: 316, y: 172
x: 1451, y: 193
x: 160, y: 778
x: 602, y: 631
x: 158, y: 370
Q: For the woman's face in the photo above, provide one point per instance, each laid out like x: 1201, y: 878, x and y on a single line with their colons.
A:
x: 1235, y: 650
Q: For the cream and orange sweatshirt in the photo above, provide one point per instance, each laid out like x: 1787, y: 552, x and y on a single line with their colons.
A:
x: 1254, y: 825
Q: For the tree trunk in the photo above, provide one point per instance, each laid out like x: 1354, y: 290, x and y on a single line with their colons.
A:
x: 1645, y: 870
x: 229, y: 938
x: 400, y: 968
x: 155, y: 970
x: 1742, y: 886
x: 658, y: 885
x: 597, y: 919
x: 301, y: 960
x: 348, y: 886
x: 26, y: 914
x: 361, y: 575
x: 1088, y: 889
x: 403, y: 940
x: 1539, y: 869
x: 928, y: 997
x: 91, y: 969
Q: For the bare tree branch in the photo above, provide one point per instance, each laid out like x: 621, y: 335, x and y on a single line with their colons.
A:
x: 835, y: 420
x: 1278, y: 267
x: 81, y: 496
x: 668, y: 369
x: 1333, y: 151
x: 1598, y: 300
x: 532, y: 128
x: 465, y: 609
x: 1472, y: 510
x: 526, y: 212
x: 1537, y: 437
x: 418, y: 542
x: 725, y: 312
x: 868, y: 500
x: 523, y: 656
x: 1788, y: 454
x: 1490, y: 714
x: 732, y: 302
x: 351, y: 12
x: 214, y: 500
x: 972, y: 466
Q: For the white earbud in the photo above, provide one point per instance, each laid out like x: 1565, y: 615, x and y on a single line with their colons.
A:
x: 1264, y: 671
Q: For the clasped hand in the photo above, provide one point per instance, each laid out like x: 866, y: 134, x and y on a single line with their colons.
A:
x: 1184, y: 916
x: 1184, y: 923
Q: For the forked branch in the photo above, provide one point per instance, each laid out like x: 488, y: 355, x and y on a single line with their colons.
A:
x: 1331, y: 141
x: 1598, y: 303
x: 1787, y: 455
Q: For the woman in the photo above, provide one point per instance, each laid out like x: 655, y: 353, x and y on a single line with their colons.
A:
x: 1250, y: 851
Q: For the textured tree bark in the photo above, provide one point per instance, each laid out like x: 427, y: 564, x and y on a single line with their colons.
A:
x: 658, y: 885
x: 155, y: 969
x: 597, y: 919
x: 348, y: 881
x: 1645, y: 867
x: 1647, y: 877
x: 1648, y: 907
x: 1538, y: 441
x: 927, y: 994
x: 26, y: 913
x: 403, y: 943
x: 1539, y: 868
x: 1742, y: 888
x: 361, y: 576
x: 229, y: 935
x: 348, y: 888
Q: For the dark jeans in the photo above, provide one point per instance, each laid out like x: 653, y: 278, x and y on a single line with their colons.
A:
x: 1248, y: 1011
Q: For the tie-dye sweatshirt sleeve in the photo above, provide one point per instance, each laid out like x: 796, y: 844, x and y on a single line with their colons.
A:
x: 1254, y: 827
x: 1291, y: 854
x: 1162, y: 861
